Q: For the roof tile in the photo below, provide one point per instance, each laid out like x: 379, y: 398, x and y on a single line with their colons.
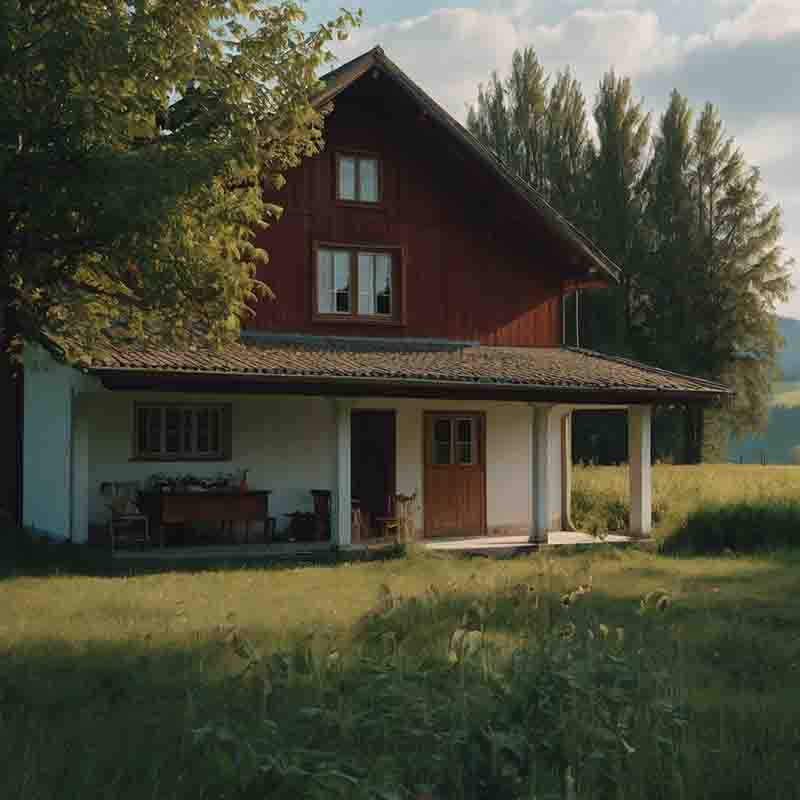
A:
x: 405, y: 361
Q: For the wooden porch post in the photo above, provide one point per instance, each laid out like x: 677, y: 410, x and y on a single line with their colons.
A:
x: 344, y: 518
x: 639, y: 460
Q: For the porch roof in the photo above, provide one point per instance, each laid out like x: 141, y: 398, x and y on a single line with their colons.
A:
x: 412, y: 368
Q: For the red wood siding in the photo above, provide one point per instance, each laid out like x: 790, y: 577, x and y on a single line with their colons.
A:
x: 471, y: 271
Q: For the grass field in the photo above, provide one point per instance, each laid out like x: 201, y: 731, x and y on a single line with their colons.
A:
x: 600, y: 494
x: 786, y: 394
x: 610, y: 674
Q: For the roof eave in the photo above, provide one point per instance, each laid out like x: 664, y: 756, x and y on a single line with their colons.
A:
x: 126, y: 378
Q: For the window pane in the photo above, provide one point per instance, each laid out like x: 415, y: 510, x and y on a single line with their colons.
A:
x: 464, y: 430
x: 214, y: 433
x: 154, y: 430
x: 366, y: 283
x: 465, y: 436
x: 188, y: 430
x: 347, y: 178
x: 172, y: 434
x: 441, y: 441
x: 141, y: 429
x: 368, y: 180
x: 383, y: 284
x: 325, y: 281
x: 202, y: 431
x: 464, y: 453
x: 341, y: 280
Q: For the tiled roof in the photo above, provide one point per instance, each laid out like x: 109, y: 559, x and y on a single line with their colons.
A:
x: 398, y: 362
x: 347, y: 74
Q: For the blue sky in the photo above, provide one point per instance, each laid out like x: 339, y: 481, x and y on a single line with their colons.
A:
x: 742, y: 55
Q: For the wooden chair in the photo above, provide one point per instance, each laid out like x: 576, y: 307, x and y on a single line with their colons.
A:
x: 127, y: 524
x: 391, y: 522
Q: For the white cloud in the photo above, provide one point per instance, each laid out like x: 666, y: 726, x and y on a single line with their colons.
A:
x: 761, y: 20
x: 770, y: 140
x: 451, y: 50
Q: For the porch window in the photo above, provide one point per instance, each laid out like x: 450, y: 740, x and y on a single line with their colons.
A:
x: 172, y: 432
x: 357, y: 178
x: 356, y: 283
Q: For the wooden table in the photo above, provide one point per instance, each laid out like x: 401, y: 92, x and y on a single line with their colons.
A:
x: 223, y: 507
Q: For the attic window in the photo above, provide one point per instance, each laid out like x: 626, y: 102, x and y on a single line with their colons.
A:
x: 357, y: 178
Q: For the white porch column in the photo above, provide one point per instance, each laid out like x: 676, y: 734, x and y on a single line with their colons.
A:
x: 545, y: 472
x: 344, y: 493
x: 639, y: 460
x: 566, y: 471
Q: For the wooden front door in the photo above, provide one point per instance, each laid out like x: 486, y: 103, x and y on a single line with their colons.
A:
x: 455, y: 474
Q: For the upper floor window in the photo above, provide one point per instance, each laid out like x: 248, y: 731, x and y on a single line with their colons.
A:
x: 356, y: 283
x: 357, y: 178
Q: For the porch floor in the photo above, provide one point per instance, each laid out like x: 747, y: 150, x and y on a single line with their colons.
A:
x: 519, y: 543
x: 473, y: 545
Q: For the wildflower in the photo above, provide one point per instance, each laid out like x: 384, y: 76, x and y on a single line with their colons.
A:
x: 567, y: 631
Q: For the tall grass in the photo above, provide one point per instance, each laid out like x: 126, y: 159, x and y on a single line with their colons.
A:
x: 726, y: 505
x: 609, y: 674
x: 612, y: 674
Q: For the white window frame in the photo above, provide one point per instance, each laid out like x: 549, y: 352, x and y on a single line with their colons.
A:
x: 358, y: 159
x: 356, y: 294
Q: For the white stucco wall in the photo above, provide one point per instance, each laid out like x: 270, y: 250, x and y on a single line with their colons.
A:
x: 508, y: 454
x: 289, y: 446
x: 53, y: 470
x: 286, y: 443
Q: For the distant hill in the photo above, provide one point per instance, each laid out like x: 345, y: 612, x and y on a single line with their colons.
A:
x: 790, y: 356
x: 783, y: 431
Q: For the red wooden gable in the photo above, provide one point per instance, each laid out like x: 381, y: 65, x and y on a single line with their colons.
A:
x: 475, y: 266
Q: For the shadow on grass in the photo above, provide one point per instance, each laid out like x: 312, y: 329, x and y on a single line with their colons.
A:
x: 23, y: 555
x: 379, y: 699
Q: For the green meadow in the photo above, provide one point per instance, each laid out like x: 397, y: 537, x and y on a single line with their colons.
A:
x: 602, y: 673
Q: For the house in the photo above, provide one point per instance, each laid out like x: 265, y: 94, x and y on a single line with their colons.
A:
x: 415, y: 347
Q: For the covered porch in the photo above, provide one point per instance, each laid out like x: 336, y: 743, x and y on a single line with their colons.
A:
x: 480, y: 447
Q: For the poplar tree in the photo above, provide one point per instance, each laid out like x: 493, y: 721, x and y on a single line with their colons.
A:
x: 527, y: 95
x: 741, y: 273
x: 617, y: 210
x: 490, y: 120
x: 667, y: 280
x: 568, y: 149
x: 123, y: 209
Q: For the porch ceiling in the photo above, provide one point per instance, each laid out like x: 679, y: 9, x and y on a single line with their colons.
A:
x: 413, y: 368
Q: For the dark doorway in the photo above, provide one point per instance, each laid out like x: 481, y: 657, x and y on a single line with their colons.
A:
x: 373, y: 463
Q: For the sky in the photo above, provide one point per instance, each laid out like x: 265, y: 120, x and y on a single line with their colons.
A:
x: 742, y: 55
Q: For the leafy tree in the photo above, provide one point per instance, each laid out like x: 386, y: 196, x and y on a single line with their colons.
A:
x: 740, y: 274
x: 120, y: 205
